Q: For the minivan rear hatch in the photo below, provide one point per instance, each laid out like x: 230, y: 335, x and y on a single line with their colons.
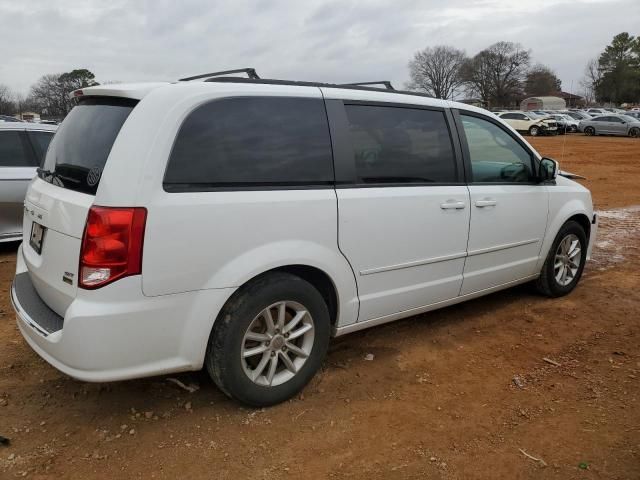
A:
x: 58, y: 200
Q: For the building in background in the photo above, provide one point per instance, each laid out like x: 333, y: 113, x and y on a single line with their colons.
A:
x: 29, y: 117
x: 543, y: 103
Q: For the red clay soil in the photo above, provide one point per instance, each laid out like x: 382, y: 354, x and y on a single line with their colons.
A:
x: 459, y: 393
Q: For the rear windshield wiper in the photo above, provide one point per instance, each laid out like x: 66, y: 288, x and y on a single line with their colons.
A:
x: 50, y: 176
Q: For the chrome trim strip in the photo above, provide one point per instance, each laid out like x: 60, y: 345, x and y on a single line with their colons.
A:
x: 480, y: 251
x: 426, y: 308
x: 415, y: 263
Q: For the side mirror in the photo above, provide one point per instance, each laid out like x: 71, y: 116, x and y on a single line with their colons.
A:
x: 549, y: 169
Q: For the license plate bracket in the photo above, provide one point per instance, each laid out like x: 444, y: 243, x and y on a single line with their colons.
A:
x: 37, y: 237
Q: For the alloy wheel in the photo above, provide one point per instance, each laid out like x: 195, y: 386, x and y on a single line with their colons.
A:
x: 277, y: 343
x: 567, y: 260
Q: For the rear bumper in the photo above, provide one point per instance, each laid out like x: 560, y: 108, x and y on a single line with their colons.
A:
x: 116, y: 333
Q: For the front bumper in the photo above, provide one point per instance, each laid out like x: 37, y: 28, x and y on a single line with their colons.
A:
x: 116, y: 333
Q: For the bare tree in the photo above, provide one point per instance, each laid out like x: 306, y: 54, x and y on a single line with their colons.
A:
x: 7, y: 105
x: 497, y: 74
x: 591, y: 79
x: 436, y: 71
x: 50, y: 94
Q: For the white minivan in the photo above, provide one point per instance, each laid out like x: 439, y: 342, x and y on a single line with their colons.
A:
x: 239, y: 223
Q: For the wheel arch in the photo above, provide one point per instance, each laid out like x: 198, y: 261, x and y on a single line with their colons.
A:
x: 320, y: 280
x: 583, y: 220
x: 575, y: 209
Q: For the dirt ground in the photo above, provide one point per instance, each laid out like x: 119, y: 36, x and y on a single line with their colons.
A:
x: 459, y: 393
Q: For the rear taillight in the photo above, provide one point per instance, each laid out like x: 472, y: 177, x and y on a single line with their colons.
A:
x: 111, y: 245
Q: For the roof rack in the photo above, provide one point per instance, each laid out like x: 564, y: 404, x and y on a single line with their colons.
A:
x: 251, y: 73
x: 270, y: 81
x: 386, y: 83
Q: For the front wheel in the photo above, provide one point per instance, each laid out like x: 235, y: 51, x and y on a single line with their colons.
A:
x: 565, y: 262
x: 590, y: 131
x: 534, y: 131
x: 269, y: 340
x: 634, y: 132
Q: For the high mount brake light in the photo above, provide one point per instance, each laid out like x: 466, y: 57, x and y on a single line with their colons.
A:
x: 111, y: 245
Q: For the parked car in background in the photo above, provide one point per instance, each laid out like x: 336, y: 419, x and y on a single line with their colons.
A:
x: 8, y: 118
x: 22, y: 149
x: 624, y: 125
x: 566, y: 123
x: 634, y: 114
x: 117, y: 276
x: 596, y: 111
x: 539, y: 113
x: 577, y: 115
x: 530, y: 123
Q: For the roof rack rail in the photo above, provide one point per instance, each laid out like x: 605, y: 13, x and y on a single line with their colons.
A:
x: 251, y: 73
x: 386, y: 83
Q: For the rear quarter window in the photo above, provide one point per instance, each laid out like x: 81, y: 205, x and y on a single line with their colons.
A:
x: 252, y: 142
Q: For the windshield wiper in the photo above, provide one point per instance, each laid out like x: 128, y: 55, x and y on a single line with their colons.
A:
x: 50, y: 176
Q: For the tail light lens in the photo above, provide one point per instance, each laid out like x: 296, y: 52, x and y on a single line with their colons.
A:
x: 111, y: 245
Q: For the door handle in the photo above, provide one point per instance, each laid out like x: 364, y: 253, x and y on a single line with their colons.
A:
x: 485, y: 203
x: 452, y: 205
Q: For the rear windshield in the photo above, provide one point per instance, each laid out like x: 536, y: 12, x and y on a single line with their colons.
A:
x: 79, y: 150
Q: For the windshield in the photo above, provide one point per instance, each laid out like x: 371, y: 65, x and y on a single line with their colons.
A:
x: 628, y: 118
x: 79, y: 150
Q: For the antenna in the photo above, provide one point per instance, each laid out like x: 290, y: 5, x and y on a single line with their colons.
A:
x: 564, y: 140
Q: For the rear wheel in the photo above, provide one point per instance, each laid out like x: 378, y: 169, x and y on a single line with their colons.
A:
x: 590, y: 131
x: 563, y: 267
x: 269, y: 340
x: 534, y: 131
x: 634, y: 132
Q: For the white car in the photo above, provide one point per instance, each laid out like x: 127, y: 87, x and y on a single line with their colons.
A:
x: 531, y: 123
x: 22, y: 149
x: 240, y: 223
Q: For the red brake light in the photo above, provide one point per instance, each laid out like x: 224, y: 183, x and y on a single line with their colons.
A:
x: 111, y: 245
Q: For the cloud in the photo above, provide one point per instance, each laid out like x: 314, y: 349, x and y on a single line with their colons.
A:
x: 333, y: 41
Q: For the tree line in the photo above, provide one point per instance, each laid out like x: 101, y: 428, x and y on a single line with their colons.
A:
x: 502, y: 74
x: 499, y: 76
x: 48, y: 96
x: 614, y: 76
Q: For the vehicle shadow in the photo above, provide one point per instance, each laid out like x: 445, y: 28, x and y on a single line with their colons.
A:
x: 9, y: 248
x: 162, y: 396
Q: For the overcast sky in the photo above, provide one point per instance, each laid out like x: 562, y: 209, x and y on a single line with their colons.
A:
x: 332, y: 41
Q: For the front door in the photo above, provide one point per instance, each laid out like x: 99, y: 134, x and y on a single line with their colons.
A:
x: 508, y: 208
x: 404, y: 215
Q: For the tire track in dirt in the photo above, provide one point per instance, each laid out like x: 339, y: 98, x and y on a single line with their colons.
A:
x: 618, y: 236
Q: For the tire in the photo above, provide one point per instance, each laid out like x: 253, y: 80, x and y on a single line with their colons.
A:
x: 634, y: 132
x: 229, y: 360
x: 534, y: 131
x: 553, y: 282
x: 590, y: 131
